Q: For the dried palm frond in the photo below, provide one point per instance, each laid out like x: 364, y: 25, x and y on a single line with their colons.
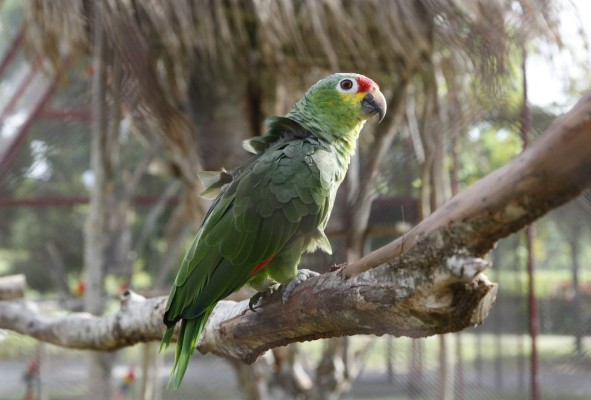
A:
x: 292, y: 36
x: 161, y: 44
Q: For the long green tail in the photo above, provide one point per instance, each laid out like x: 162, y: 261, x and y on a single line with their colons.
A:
x: 185, y: 345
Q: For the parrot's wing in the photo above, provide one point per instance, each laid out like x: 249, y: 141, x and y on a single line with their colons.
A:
x: 279, y: 128
x: 276, y: 196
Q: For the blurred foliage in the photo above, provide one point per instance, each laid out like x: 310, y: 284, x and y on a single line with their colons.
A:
x: 53, y: 165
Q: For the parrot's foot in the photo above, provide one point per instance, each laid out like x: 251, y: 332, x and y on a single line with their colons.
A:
x: 303, y: 275
x: 337, y: 267
x: 259, y: 298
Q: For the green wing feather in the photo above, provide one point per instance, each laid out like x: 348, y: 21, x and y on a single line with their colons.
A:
x: 277, y: 199
x: 279, y: 129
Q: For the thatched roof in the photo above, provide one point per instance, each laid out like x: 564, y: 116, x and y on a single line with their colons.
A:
x: 378, y: 36
x: 160, y: 44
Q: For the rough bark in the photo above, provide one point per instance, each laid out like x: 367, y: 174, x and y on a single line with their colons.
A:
x: 426, y: 283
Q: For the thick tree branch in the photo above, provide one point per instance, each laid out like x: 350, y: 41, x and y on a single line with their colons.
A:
x: 138, y: 320
x: 555, y: 169
x: 420, y: 296
x: 425, y: 283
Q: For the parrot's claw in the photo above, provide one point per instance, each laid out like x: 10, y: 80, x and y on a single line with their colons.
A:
x: 290, y: 287
x: 337, y: 267
x: 259, y: 298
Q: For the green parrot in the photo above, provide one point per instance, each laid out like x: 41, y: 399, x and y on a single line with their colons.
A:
x: 271, y: 209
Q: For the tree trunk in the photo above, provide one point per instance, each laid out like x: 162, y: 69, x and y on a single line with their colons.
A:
x: 100, y: 364
x: 226, y: 110
x: 574, y: 244
x: 415, y: 373
x: 149, y: 386
x: 498, y: 326
x: 519, y: 292
x: 253, y: 380
x: 534, y: 321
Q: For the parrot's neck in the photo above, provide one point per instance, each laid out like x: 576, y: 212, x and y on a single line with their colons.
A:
x: 343, y: 139
x: 345, y: 144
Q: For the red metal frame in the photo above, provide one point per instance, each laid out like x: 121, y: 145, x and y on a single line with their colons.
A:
x: 77, y: 115
x: 37, y: 111
x: 19, y: 140
x: 12, y: 50
x: 19, y: 91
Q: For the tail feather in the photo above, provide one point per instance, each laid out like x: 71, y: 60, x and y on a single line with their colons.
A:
x: 166, y: 339
x: 189, y: 334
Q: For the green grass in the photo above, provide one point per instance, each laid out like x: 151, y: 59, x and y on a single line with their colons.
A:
x: 8, y: 257
x: 14, y: 346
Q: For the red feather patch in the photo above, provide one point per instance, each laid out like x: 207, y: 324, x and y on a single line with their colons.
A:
x: 364, y: 84
x: 262, y: 265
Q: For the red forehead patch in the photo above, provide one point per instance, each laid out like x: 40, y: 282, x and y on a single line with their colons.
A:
x: 364, y: 83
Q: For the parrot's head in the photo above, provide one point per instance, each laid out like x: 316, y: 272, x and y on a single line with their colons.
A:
x: 339, y: 105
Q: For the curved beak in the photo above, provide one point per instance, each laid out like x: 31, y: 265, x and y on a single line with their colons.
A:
x: 374, y: 103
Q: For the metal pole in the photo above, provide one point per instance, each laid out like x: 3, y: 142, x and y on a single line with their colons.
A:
x: 534, y: 325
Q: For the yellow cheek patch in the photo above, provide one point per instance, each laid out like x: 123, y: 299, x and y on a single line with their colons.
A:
x: 353, y: 98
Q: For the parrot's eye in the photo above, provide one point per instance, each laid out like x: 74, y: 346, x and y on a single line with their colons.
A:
x: 347, y: 86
